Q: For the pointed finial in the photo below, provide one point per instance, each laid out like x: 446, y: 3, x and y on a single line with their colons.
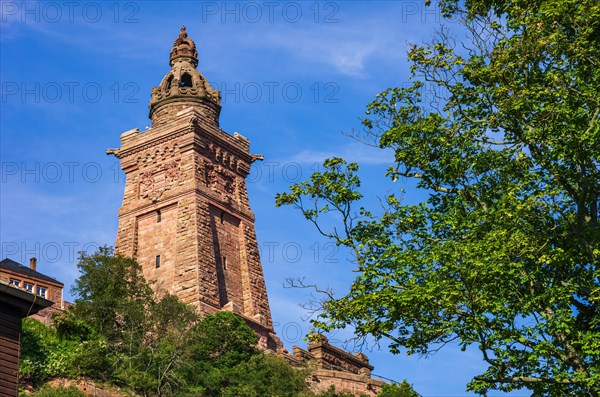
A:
x: 184, y: 48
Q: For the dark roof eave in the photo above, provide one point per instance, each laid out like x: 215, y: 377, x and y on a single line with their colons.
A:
x: 23, y: 301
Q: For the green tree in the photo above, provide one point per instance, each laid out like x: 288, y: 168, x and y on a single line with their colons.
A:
x: 264, y: 375
x: 155, y: 346
x: 44, y: 354
x: 93, y: 357
x: 504, y: 252
x: 224, y: 340
x: 128, y: 334
x: 120, y: 331
x: 112, y: 297
x: 403, y: 389
x: 227, y: 363
x: 157, y: 365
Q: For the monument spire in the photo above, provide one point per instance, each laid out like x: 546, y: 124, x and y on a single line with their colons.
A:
x: 185, y: 216
x: 184, y: 48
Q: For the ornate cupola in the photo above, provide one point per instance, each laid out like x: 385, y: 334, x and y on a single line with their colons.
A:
x: 184, y: 86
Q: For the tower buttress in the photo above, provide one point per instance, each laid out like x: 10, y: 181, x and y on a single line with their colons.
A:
x: 185, y: 214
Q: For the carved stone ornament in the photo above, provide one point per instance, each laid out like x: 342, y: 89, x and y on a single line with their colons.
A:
x: 154, y: 182
x: 194, y: 121
x: 223, y: 157
x: 220, y: 180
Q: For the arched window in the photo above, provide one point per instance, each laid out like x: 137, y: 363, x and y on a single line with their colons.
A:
x: 186, y: 80
x: 169, y: 82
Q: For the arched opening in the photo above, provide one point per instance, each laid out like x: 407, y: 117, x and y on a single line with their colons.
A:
x: 186, y: 80
x: 169, y: 82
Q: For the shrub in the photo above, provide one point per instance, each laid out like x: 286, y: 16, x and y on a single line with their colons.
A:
x: 60, y: 391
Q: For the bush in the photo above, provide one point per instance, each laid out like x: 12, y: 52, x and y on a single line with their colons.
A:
x: 44, y: 354
x: 264, y: 375
x: 330, y: 392
x: 403, y: 389
x: 118, y: 332
x: 60, y: 391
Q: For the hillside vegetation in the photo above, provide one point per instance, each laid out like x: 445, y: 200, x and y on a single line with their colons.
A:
x: 120, y: 333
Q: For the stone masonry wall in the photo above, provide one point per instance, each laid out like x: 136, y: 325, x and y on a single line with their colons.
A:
x: 185, y: 200
x: 347, y: 382
x: 334, y: 366
x: 226, y: 242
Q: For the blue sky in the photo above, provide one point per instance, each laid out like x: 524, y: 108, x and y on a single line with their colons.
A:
x: 293, y: 76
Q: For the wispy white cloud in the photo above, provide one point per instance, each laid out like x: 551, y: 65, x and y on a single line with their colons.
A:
x: 345, y: 50
x: 353, y: 151
x: 88, y: 37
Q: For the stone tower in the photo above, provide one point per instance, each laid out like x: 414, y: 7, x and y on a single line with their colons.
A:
x: 185, y: 215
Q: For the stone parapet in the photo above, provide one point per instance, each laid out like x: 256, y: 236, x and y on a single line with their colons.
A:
x: 331, y: 365
x: 331, y: 357
x: 356, y: 384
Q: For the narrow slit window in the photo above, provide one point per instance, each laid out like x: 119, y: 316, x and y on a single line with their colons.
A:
x: 157, y: 261
x: 158, y: 216
x: 224, y: 261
